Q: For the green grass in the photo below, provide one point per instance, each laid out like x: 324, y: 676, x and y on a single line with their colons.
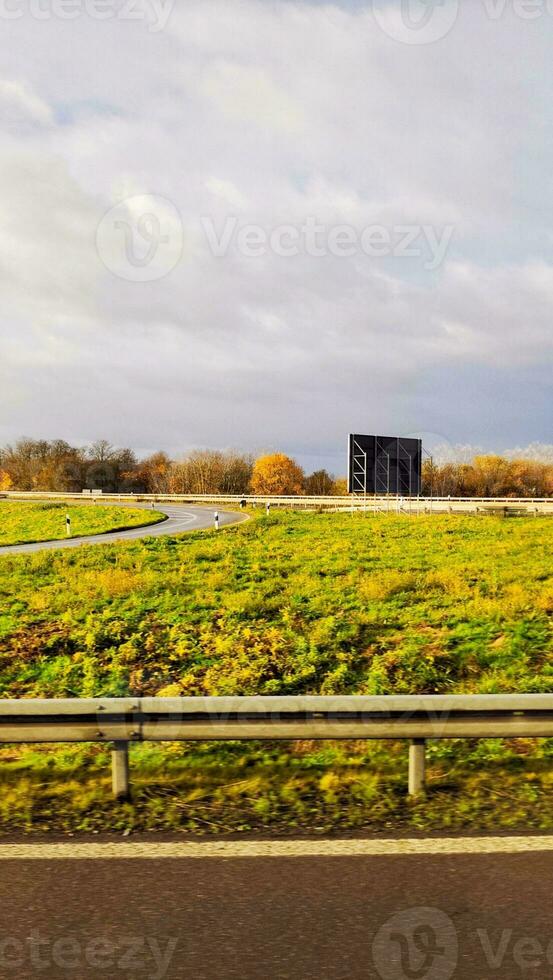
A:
x: 22, y: 523
x: 287, y: 605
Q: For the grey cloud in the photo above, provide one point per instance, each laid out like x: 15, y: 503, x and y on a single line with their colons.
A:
x: 274, y: 113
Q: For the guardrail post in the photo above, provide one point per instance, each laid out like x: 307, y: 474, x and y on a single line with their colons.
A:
x: 120, y: 772
x: 417, y: 766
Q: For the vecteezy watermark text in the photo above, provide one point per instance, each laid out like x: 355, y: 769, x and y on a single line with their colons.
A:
x: 142, y: 239
x: 154, y: 13
x: 318, y: 240
x: 131, y: 955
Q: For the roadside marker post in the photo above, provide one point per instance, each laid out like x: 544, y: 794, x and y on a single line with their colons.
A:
x: 68, y: 525
x: 120, y: 772
x: 417, y: 766
x: 268, y: 510
x: 216, y: 519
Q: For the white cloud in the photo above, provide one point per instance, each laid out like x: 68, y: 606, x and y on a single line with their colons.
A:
x: 20, y: 105
x: 245, y: 94
x: 48, y: 265
x: 277, y: 112
x: 227, y: 191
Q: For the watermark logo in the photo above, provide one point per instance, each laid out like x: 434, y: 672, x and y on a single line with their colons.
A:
x: 67, y: 955
x: 141, y: 239
x: 154, y: 14
x: 416, y: 944
x: 318, y: 240
x: 416, y: 21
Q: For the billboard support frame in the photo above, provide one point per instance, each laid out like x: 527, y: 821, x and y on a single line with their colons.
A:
x: 384, y: 466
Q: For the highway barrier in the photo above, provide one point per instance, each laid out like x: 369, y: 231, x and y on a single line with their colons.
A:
x: 416, y: 718
x: 500, y: 506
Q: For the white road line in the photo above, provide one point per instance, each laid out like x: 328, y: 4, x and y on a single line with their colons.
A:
x: 275, y: 849
x: 177, y: 522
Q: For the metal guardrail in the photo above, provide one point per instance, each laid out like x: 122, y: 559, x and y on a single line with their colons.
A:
x: 405, y: 505
x: 261, y: 498
x: 122, y: 721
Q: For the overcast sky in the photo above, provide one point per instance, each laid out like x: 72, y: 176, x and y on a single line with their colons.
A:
x: 167, y: 323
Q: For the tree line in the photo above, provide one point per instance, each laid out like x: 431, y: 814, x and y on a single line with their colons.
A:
x: 489, y: 476
x: 32, y: 464
x: 41, y: 465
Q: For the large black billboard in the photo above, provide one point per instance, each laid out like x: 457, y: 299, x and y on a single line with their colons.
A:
x: 384, y: 464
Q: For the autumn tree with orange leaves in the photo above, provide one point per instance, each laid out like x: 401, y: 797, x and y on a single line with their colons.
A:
x: 5, y: 480
x: 277, y: 475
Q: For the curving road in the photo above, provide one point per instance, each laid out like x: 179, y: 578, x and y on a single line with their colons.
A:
x: 179, y: 519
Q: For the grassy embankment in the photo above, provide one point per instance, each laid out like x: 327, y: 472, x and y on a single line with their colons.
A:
x: 285, y: 605
x: 22, y: 523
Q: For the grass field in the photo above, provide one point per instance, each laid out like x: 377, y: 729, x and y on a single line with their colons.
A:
x: 286, y: 605
x: 22, y: 523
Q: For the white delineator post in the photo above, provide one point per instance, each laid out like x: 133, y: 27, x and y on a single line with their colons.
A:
x: 216, y: 520
x: 268, y: 509
x: 68, y: 525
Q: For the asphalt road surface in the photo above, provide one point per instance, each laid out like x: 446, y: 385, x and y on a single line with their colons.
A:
x: 420, y: 916
x: 179, y: 519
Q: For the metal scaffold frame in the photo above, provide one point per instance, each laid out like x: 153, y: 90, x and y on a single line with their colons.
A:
x: 382, y: 469
x: 387, y: 468
x: 359, y: 469
x: 402, y: 457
